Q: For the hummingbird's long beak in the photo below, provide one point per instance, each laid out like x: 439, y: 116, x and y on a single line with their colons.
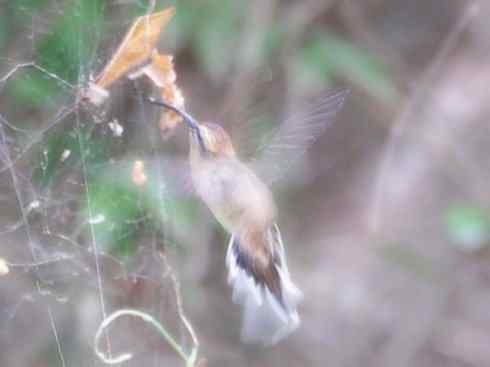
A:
x: 189, y: 120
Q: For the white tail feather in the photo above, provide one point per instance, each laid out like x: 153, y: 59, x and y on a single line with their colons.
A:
x: 265, y: 320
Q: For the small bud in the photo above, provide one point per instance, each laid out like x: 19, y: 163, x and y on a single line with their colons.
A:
x: 139, y: 176
x: 64, y: 156
x: 116, y: 128
x: 99, y: 218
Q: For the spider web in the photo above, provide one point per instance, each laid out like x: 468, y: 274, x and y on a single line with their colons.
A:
x: 79, y: 237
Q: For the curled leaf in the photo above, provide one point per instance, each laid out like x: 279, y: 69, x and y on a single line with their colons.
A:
x: 135, y: 49
x: 162, y: 74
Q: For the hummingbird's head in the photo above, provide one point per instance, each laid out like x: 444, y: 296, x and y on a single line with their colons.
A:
x: 207, y: 138
x: 216, y: 140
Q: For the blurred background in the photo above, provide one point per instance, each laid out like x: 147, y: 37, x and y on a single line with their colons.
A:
x: 385, y: 219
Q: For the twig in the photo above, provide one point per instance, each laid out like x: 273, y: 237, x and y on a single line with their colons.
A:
x: 33, y: 65
x: 94, y: 245
x: 190, y: 359
x: 56, y: 337
x: 30, y: 239
x: 178, y: 298
x: 39, y: 263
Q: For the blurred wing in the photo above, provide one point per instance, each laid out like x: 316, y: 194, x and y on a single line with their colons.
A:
x: 250, y: 109
x: 295, y: 134
x: 251, y: 126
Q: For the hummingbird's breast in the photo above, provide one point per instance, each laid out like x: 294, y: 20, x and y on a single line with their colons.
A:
x: 234, y: 194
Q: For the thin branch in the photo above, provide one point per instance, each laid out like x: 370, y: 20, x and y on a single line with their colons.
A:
x: 30, y: 240
x: 178, y: 298
x: 33, y: 65
x: 56, y: 337
x: 188, y: 359
x: 94, y: 245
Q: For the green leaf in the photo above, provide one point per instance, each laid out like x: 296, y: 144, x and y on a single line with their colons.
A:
x: 468, y: 227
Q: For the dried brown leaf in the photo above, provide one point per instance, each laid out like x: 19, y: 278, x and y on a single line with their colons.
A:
x: 136, y: 47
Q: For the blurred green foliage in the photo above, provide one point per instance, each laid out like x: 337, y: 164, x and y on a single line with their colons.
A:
x: 64, y: 50
x: 468, y: 227
x: 72, y: 39
x: 211, y: 30
x: 33, y: 88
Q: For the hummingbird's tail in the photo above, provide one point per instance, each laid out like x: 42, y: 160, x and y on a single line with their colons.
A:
x: 268, y: 296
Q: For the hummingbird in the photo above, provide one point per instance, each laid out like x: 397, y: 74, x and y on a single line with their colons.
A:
x: 241, y: 200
